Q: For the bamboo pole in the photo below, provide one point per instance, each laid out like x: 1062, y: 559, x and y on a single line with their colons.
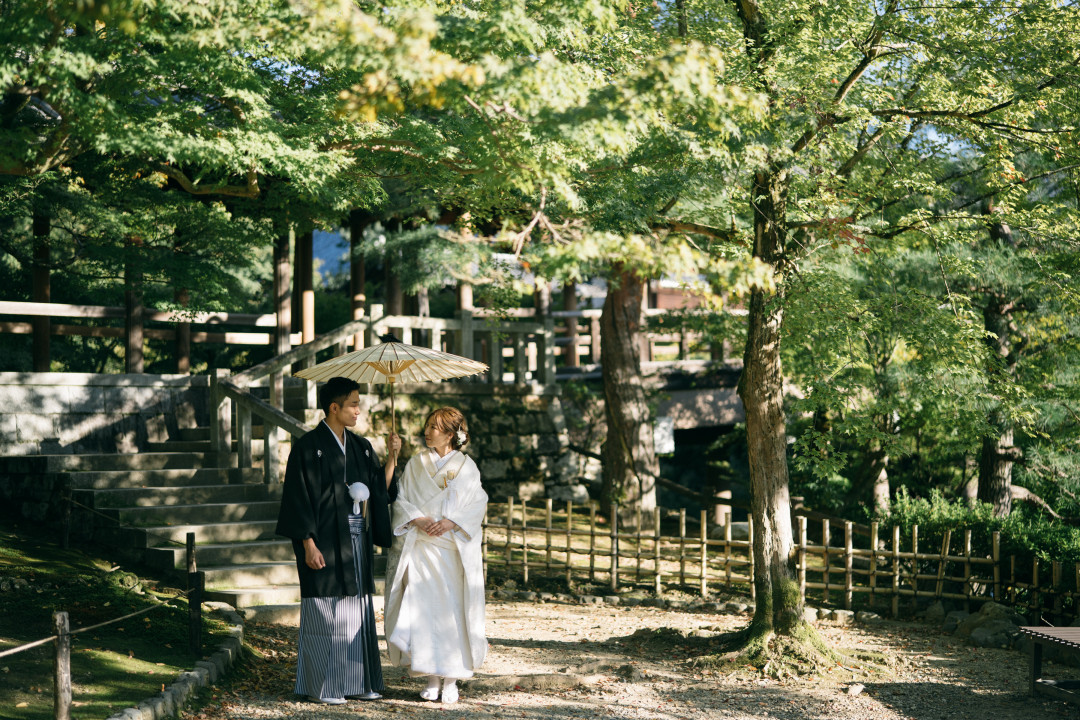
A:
x: 873, y: 562
x: 1036, y: 595
x: 509, y: 533
x: 802, y: 556
x: 825, y: 540
x: 915, y: 565
x: 656, y: 551
x: 637, y: 548
x: 704, y: 556
x: 547, y: 534
x: 967, y: 570
x: 614, y: 549
x: 997, y: 566
x: 682, y: 546
x: 750, y: 550
x: 727, y: 551
x: 896, y: 571
x: 569, y: 541
x: 524, y: 543
x: 847, y: 565
x: 1012, y: 579
x: 1055, y: 570
x: 940, y: 586
x: 592, y: 543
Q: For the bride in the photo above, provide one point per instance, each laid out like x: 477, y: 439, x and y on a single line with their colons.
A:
x: 435, y: 606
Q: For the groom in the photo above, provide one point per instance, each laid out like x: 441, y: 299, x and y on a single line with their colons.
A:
x: 338, y: 653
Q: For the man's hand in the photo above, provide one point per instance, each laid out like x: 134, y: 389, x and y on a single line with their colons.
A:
x: 393, y: 446
x: 313, y: 556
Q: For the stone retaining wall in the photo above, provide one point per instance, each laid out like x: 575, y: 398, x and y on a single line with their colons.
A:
x: 65, y: 413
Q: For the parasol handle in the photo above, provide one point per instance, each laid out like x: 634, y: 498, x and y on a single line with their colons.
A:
x: 393, y: 415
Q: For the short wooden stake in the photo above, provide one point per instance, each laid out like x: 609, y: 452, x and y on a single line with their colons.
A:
x: 62, y: 667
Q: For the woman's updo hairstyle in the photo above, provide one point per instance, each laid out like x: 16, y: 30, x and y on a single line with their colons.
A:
x: 450, y: 420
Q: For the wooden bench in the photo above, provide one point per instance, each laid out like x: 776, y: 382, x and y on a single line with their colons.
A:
x: 1062, y: 637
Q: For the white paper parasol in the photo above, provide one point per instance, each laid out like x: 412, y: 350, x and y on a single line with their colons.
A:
x: 393, y: 362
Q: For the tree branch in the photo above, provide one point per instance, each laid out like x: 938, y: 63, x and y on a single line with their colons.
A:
x: 250, y: 190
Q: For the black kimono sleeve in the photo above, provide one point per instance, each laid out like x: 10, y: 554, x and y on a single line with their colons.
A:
x: 298, y: 516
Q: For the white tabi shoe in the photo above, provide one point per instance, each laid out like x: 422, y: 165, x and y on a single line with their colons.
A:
x: 327, y: 700
x: 450, y: 693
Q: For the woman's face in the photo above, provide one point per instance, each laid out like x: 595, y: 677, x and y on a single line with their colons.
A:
x: 434, y: 437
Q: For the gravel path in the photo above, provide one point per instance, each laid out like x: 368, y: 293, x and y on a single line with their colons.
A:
x: 557, y: 661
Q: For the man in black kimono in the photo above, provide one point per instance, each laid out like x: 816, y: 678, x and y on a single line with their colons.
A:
x: 338, y: 646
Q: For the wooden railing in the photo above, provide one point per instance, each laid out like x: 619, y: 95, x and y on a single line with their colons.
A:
x: 487, y: 339
x: 881, y: 570
x: 567, y: 338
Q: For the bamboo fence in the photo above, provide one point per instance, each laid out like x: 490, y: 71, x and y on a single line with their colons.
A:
x: 875, y: 570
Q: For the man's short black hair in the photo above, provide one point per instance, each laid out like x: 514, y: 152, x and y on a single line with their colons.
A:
x: 336, y: 390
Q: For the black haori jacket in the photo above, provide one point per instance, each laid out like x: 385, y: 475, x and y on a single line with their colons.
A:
x: 315, y: 503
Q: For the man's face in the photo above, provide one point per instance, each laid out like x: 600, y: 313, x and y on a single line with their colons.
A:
x: 348, y: 412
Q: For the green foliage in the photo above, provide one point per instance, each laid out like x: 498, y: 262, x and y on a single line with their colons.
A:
x: 1023, y: 533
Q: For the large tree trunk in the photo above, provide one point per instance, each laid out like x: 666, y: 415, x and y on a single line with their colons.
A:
x: 629, y: 456
x: 998, y: 452
x: 779, y: 605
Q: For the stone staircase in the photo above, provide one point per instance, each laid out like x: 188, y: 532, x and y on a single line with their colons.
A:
x: 156, y: 497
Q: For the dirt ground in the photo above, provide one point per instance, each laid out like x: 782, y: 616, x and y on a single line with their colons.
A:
x: 560, y: 661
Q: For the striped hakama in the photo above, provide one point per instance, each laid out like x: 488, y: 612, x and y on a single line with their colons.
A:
x: 338, y: 649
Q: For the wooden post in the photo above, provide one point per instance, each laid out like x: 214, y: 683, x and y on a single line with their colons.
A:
x: 727, y: 553
x: 592, y: 543
x: 569, y: 542
x: 547, y: 535
x: 997, y: 566
x: 594, y: 339
x: 569, y: 295
x: 133, y: 311
x: 657, y: 570
x: 940, y: 586
x: 467, y: 337
x: 915, y: 566
x: 967, y: 570
x: 220, y: 420
x: 614, y: 548
x: 62, y: 667
x: 243, y: 435
x: 848, y: 548
x: 546, y: 346
x: 750, y: 551
x: 896, y: 571
x: 873, y: 562
x: 509, y: 532
x: 182, y: 343
x: 42, y: 292
x: 358, y: 220
x: 189, y: 554
x: 637, y: 546
x: 826, y: 538
x: 495, y: 358
x: 801, y: 559
x: 521, y: 360
x: 682, y: 546
x: 704, y: 556
x: 524, y: 542
x: 1012, y: 579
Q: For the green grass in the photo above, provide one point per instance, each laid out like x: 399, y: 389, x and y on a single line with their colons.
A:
x: 112, y: 667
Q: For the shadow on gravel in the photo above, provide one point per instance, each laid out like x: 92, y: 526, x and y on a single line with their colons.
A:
x: 944, y: 701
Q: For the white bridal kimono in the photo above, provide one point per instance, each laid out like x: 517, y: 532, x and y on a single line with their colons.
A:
x: 434, y: 620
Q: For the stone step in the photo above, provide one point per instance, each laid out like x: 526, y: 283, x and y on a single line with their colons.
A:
x: 198, y: 446
x: 152, y: 497
x: 212, y: 533
x: 195, y: 514
x: 249, y: 574
x: 202, y: 434
x: 178, y: 477
x: 278, y: 604
x: 27, y: 464
x: 171, y: 557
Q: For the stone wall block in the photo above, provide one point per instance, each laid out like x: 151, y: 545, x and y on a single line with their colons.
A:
x: 31, y: 428
x: 84, y: 399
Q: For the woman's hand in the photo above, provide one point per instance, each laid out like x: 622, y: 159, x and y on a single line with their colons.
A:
x: 441, y: 527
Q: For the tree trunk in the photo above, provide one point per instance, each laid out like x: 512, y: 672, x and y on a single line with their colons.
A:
x: 629, y: 457
x: 133, y: 311
x: 995, y: 467
x: 358, y: 220
x: 779, y: 606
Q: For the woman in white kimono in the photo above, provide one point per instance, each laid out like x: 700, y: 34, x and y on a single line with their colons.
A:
x: 434, y: 619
